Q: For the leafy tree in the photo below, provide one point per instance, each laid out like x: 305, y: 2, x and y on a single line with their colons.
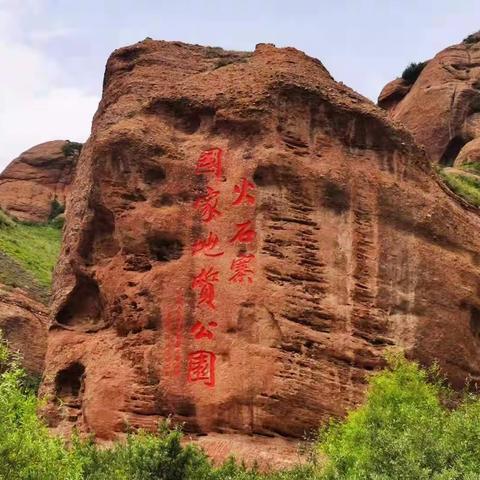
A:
x: 27, y: 451
x: 404, y: 432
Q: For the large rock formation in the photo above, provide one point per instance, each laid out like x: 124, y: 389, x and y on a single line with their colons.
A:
x: 442, y: 107
x: 245, y: 239
x: 33, y: 181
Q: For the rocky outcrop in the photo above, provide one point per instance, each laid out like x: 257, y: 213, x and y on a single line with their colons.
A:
x: 32, y: 182
x: 442, y: 107
x: 245, y: 239
x: 392, y: 93
x: 23, y: 324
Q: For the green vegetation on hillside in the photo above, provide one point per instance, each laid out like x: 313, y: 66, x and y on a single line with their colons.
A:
x: 473, y: 167
x: 464, y: 181
x: 412, y: 72
x: 403, y: 431
x: 35, y: 248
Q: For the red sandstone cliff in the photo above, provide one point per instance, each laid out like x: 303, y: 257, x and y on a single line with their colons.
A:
x: 31, y: 182
x: 245, y: 239
x: 442, y: 107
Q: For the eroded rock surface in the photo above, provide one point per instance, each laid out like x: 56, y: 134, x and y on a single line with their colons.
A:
x: 23, y: 323
x: 335, y: 242
x: 31, y: 183
x: 442, y: 108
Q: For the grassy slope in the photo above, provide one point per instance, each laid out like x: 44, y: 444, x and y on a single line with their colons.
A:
x: 466, y: 185
x: 28, y: 254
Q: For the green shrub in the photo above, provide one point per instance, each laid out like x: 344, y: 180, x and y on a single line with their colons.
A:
x: 412, y: 72
x: 27, y: 450
x: 5, y: 220
x: 71, y: 149
x: 403, y: 431
x: 58, y: 221
x: 472, y: 38
x: 56, y: 208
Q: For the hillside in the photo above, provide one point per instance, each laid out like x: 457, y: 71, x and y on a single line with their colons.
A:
x: 27, y: 256
x: 464, y: 180
x: 29, y: 253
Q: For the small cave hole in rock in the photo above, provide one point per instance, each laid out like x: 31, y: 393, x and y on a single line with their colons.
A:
x: 475, y: 321
x: 69, y: 382
x: 154, y: 175
x: 452, y: 150
x: 84, y: 307
x: 165, y: 248
x: 336, y: 197
x: 264, y: 175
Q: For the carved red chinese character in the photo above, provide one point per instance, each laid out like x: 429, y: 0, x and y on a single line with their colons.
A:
x: 241, y: 268
x: 206, y: 245
x: 210, y: 161
x: 207, y: 205
x: 204, y: 281
x: 244, y: 233
x: 201, y: 367
x: 199, y: 330
x: 243, y: 195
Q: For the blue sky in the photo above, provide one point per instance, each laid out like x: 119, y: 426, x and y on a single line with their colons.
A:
x: 54, y: 51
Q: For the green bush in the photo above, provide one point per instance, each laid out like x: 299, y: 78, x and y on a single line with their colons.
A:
x: 56, y: 209
x: 412, y: 72
x: 58, y: 221
x: 5, y: 220
x: 71, y: 149
x: 404, y: 431
x: 472, y: 38
x: 29, y: 452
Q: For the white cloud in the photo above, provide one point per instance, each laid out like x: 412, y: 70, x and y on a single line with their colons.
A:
x: 35, y: 106
x: 51, y: 34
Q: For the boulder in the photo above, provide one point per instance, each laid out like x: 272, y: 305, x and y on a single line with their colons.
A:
x: 442, y: 107
x: 246, y: 238
x: 392, y: 93
x: 31, y: 184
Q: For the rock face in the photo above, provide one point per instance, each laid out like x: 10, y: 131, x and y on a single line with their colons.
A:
x: 23, y: 314
x: 245, y: 239
x: 31, y: 182
x: 442, y: 108
x: 23, y: 323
